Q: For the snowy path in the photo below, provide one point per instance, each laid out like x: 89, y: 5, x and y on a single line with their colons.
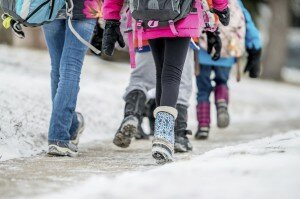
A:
x: 42, y: 174
x: 259, y: 109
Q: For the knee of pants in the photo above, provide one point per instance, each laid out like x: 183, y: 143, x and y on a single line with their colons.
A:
x: 171, y: 75
x: 222, y: 75
x: 70, y: 68
x: 203, y: 96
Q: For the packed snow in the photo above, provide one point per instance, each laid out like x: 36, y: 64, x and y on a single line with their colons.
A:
x: 25, y: 100
x: 266, y: 168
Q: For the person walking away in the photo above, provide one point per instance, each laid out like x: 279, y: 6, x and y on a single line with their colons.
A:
x: 67, y: 54
x: 241, y: 35
x: 169, y: 45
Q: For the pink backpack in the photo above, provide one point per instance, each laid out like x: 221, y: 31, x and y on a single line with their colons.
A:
x: 233, y: 35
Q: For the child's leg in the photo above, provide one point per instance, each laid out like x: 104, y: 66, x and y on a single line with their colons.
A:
x: 221, y: 79
x: 158, y: 51
x: 174, y: 58
x: 142, y: 79
x: 65, y: 100
x: 222, y: 95
x: 203, y: 106
x: 54, y: 34
x: 182, y: 143
x: 55, y: 38
x: 169, y: 55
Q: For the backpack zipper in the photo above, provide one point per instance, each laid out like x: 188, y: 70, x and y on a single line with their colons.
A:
x: 52, y: 2
x: 36, y: 10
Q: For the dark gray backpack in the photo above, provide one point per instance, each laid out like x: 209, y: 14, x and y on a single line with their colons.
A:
x: 155, y: 13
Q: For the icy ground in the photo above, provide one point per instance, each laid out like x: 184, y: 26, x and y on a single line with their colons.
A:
x: 256, y: 170
x: 267, y: 168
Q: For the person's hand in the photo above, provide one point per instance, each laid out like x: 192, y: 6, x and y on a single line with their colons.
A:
x: 253, y: 63
x: 97, y: 38
x: 111, y: 35
x: 214, y: 42
x: 224, y: 16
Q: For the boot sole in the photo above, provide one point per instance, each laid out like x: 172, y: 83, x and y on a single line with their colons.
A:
x: 123, y: 138
x: 223, y: 120
x: 202, y: 136
x: 161, y: 153
x: 55, y: 150
x: 161, y: 157
x: 178, y: 148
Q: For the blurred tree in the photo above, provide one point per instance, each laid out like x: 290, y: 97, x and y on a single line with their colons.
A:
x: 276, y: 50
x: 5, y: 35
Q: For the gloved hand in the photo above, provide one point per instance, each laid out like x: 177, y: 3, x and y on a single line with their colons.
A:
x: 224, y: 16
x: 253, y: 63
x: 97, y: 38
x: 214, y: 42
x: 111, y: 35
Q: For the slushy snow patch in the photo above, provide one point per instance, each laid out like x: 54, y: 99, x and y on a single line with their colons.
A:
x: 266, y: 168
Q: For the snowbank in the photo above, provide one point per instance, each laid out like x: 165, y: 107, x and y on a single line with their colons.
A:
x: 25, y: 100
x: 267, y: 168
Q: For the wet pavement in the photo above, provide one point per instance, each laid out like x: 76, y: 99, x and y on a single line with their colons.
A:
x: 27, y: 177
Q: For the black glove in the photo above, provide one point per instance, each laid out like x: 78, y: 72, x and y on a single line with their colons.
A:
x: 111, y: 35
x: 214, y: 42
x: 97, y: 38
x: 224, y: 16
x: 253, y: 63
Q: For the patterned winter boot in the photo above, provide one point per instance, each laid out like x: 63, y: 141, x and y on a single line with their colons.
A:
x: 163, y: 142
x: 203, y: 117
x: 182, y: 143
x: 221, y: 101
x: 134, y: 108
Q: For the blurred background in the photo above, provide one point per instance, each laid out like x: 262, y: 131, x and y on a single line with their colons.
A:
x: 278, y: 20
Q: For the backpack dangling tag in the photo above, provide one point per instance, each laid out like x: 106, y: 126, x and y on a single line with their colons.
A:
x: 7, y: 22
x: 173, y: 28
x: 140, y: 30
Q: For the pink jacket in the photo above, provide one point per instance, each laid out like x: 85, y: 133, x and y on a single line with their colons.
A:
x: 190, y: 26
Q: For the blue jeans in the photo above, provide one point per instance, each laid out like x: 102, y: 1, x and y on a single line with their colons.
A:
x: 67, y: 54
x: 204, y: 81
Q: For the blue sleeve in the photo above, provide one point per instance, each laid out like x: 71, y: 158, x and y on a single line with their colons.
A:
x: 253, y: 39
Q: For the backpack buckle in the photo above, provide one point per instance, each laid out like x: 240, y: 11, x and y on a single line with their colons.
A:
x: 128, y: 30
x: 139, y: 24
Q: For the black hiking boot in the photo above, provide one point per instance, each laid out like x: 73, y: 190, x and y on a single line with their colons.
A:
x: 182, y: 143
x: 134, y: 107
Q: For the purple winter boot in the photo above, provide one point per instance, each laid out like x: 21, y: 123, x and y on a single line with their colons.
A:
x: 221, y: 101
x: 203, y: 116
